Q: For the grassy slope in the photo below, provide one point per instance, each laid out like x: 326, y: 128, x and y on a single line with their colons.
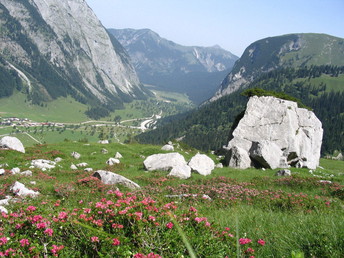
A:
x: 312, y: 230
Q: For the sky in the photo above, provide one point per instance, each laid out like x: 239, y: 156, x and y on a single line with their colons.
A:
x: 231, y: 24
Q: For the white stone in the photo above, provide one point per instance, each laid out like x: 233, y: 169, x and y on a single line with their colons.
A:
x: 104, y: 151
x: 20, y: 190
x: 43, y: 164
x: 12, y: 143
x: 112, y: 161
x: 167, y: 147
x: 219, y: 165
x: 3, y: 209
x: 58, y: 159
x: 118, y: 155
x: 103, y: 142
x: 202, y: 164
x: 283, y: 172
x: 73, y: 167
x: 180, y: 171
x: 111, y: 178
x: 88, y: 169
x: 267, y: 154
x: 15, y: 171
x: 26, y: 173
x: 165, y: 161
x: 82, y: 164
x: 75, y: 155
x: 2, y: 171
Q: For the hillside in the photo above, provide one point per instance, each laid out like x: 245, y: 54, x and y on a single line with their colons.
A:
x: 52, y: 49
x: 194, y: 70
x: 76, y: 215
x: 293, y: 50
x: 207, y: 128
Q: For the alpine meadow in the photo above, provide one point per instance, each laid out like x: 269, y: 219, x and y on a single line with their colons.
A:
x: 121, y: 141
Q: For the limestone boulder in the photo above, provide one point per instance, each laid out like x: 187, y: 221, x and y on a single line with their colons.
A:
x: 293, y: 134
x: 22, y: 191
x: 111, y: 178
x: 283, y: 172
x: 238, y: 158
x: 118, y: 155
x: 180, y: 171
x: 75, y: 155
x: 43, y: 164
x: 12, y: 143
x: 164, y: 161
x: 202, y: 164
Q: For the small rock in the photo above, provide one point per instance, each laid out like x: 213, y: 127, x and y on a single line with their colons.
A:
x: 104, y: 151
x: 33, y: 182
x: 283, y: 172
x: 2, y: 171
x: 75, y: 155
x: 58, y: 159
x: 26, y: 173
x: 88, y: 169
x: 83, y: 165
x: 15, y: 171
x: 3, y: 210
x: 73, y: 167
x: 112, y: 161
x: 104, y: 142
x: 167, y: 147
x: 219, y: 165
x: 118, y: 155
x: 325, y: 181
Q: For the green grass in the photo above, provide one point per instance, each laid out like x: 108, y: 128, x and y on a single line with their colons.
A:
x: 332, y: 83
x: 291, y: 214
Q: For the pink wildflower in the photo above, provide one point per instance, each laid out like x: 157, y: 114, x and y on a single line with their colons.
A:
x: 63, y: 215
x: 3, y: 240
x: 95, y: 239
x: 49, y: 231
x: 24, y: 242
x: 169, y: 225
x: 249, y: 250
x: 261, y: 242
x: 31, y: 208
x: 41, y: 225
x: 244, y: 241
x: 116, y: 242
x: 56, y: 249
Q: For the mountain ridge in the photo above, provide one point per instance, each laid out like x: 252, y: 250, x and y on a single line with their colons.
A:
x: 290, y: 50
x: 171, y: 66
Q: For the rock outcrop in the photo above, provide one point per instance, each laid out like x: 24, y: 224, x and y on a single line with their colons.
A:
x: 12, y: 143
x: 275, y: 133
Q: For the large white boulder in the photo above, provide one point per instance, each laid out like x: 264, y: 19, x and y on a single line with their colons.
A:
x: 294, y: 134
x: 13, y: 143
x: 111, y: 178
x: 180, y: 171
x: 202, y: 164
x: 267, y: 154
x: 238, y: 158
x: 165, y: 161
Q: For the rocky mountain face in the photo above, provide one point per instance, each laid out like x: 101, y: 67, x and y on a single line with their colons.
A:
x: 275, y: 133
x: 293, y: 50
x: 56, y: 48
x: 163, y: 63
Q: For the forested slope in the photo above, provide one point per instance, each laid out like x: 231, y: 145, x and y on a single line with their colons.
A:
x: 207, y: 128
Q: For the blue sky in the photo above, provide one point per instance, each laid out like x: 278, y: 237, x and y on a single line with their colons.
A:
x: 232, y: 24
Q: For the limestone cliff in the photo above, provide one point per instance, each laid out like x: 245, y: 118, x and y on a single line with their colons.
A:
x: 61, y: 48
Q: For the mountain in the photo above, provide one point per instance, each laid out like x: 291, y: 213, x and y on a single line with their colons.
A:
x: 53, y: 48
x: 194, y: 70
x: 293, y: 50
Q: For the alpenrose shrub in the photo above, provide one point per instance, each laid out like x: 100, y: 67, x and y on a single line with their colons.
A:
x: 120, y: 225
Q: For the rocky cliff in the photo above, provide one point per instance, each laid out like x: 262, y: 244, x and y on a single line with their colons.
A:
x: 293, y: 50
x: 275, y: 133
x: 60, y: 48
